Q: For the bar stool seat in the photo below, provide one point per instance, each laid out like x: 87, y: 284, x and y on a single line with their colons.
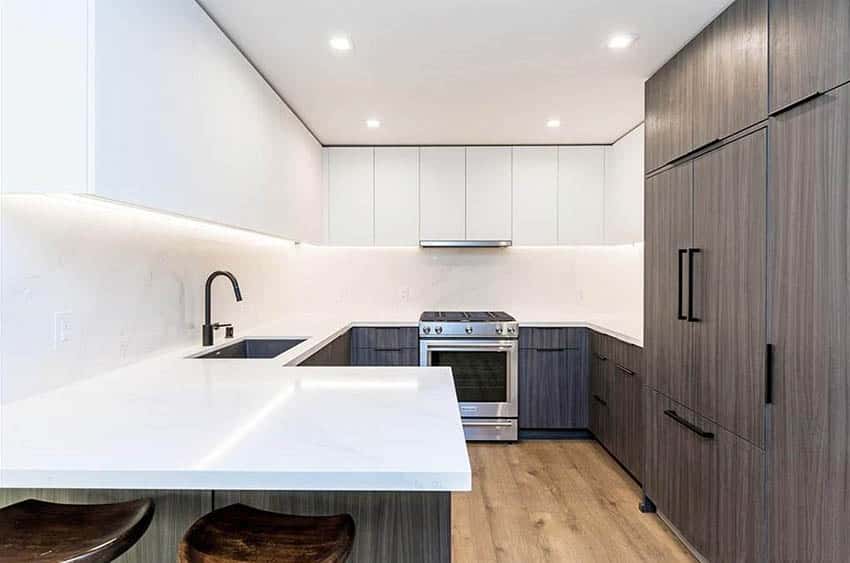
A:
x: 242, y: 534
x: 34, y: 530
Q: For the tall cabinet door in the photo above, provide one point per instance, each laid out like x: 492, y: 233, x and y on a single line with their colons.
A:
x: 669, y: 112
x: 729, y: 285
x: 809, y: 319
x: 442, y: 193
x: 668, y: 211
x: 809, y: 48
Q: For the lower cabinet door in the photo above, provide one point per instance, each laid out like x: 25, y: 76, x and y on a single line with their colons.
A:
x: 600, y: 410
x: 706, y: 481
x: 553, y: 389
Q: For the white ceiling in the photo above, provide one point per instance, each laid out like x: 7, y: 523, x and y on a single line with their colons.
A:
x: 462, y: 71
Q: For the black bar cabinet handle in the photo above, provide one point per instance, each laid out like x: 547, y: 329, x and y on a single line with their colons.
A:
x: 691, y: 252
x: 600, y: 357
x: 692, y: 427
x: 681, y: 314
x: 795, y: 103
x: 695, y: 150
x: 387, y: 349
x: 624, y: 369
x: 599, y: 400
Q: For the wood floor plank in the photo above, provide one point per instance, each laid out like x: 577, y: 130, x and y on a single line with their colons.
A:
x: 554, y: 502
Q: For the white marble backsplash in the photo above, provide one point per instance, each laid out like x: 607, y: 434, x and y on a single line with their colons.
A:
x: 132, y: 281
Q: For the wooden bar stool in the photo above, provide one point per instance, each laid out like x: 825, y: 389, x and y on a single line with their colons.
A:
x: 34, y: 530
x: 241, y: 534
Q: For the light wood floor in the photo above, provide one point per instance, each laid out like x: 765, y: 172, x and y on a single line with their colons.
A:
x: 554, y: 501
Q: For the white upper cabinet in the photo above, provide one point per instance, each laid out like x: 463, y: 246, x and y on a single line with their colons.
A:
x: 43, y: 115
x: 488, y: 193
x: 624, y: 165
x: 396, y: 196
x: 581, y: 195
x: 442, y: 193
x: 535, y: 195
x: 351, y: 194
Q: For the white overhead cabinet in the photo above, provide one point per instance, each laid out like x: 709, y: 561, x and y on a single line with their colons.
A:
x: 351, y: 191
x: 535, y: 195
x: 488, y: 193
x: 143, y: 120
x: 442, y: 193
x: 624, y: 189
x: 396, y: 196
x: 581, y: 195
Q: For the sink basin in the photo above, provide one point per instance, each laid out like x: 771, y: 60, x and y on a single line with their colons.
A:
x: 252, y: 348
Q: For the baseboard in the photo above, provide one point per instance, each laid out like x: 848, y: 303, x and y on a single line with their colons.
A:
x: 564, y: 434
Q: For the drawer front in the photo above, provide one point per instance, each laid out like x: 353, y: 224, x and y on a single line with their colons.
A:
x: 550, y: 338
x: 384, y: 357
x: 385, y: 338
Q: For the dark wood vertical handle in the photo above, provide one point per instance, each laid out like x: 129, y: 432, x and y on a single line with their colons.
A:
x: 691, y: 253
x: 680, y: 311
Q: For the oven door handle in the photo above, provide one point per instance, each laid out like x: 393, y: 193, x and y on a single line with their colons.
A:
x: 476, y: 348
x: 488, y: 424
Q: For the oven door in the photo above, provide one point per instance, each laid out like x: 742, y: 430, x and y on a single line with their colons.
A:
x: 484, y: 371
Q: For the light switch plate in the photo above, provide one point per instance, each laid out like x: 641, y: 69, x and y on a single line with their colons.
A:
x: 63, y: 329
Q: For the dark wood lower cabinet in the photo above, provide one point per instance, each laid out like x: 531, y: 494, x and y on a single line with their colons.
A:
x: 368, y: 346
x: 616, y: 403
x: 707, y: 482
x: 384, y: 356
x: 554, y: 376
x: 336, y: 353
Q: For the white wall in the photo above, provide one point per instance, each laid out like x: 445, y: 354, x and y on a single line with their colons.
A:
x: 133, y: 281
x: 624, y: 172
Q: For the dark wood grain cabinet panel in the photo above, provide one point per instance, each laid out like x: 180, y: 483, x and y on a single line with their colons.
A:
x: 730, y: 72
x: 809, y: 319
x: 668, y: 232
x: 336, y: 353
x: 554, y: 378
x: 730, y: 216
x: 669, y: 111
x: 705, y: 480
x: 809, y: 48
x: 600, y: 414
x: 384, y: 337
x: 627, y: 390
x: 384, y: 357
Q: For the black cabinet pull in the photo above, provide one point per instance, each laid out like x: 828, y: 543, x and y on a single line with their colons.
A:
x: 695, y: 150
x: 387, y: 349
x: 795, y: 103
x: 691, y: 317
x: 551, y: 349
x: 599, y: 400
x: 692, y: 427
x: 600, y: 357
x: 768, y: 375
x: 624, y: 369
x: 681, y: 314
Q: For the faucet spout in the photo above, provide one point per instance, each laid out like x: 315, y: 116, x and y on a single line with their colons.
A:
x: 208, y: 326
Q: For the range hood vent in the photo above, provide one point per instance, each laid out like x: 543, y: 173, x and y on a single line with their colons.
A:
x: 465, y: 243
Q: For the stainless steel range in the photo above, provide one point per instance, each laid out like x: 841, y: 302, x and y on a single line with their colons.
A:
x: 483, y: 351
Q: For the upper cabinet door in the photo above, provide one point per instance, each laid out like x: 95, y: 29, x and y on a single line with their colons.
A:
x: 442, y: 193
x: 488, y: 193
x: 730, y: 72
x: 624, y: 189
x: 581, y: 190
x: 669, y: 111
x: 809, y: 48
x: 351, y: 196
x: 397, y: 196
x: 44, y: 44
x: 535, y: 195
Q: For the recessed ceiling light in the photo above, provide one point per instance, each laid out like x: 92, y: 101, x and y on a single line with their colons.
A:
x: 341, y: 43
x: 553, y: 123
x: 373, y: 123
x: 621, y: 40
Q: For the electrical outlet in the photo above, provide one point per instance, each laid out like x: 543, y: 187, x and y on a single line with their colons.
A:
x: 63, y: 329
x: 405, y: 295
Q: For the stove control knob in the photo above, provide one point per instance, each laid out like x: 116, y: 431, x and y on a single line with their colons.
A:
x: 511, y: 330
x: 499, y: 330
x: 427, y: 330
x: 439, y: 330
x: 469, y: 330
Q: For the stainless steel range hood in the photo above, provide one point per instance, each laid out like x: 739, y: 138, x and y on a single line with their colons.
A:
x: 465, y: 243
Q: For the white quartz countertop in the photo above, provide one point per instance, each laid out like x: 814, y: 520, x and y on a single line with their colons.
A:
x: 175, y: 422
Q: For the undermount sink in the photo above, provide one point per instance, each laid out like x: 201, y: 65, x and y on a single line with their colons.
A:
x: 252, y: 348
